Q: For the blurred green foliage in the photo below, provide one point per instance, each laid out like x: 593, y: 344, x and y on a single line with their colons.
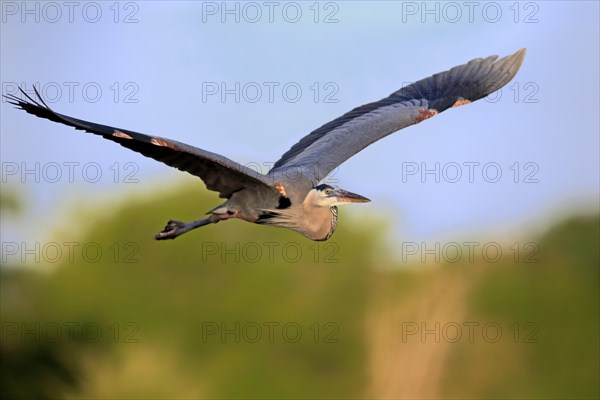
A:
x: 241, y: 311
x: 10, y: 202
x: 552, y: 310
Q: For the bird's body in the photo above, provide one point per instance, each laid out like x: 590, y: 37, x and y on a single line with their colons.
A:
x: 291, y: 194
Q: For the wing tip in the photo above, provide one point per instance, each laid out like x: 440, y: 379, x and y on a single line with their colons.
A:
x: 497, y: 74
x: 29, y: 102
x: 516, y: 60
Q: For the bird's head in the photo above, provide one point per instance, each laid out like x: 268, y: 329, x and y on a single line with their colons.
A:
x: 329, y: 196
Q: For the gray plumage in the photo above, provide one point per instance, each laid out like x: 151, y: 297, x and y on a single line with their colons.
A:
x: 290, y: 195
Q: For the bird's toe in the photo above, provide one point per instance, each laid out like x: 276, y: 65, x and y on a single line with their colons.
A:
x: 171, y: 230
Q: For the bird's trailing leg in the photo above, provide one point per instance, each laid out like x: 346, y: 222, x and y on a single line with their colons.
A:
x: 174, y: 229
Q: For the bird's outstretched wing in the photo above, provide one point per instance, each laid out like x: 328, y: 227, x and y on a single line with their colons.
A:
x: 218, y: 173
x: 321, y: 151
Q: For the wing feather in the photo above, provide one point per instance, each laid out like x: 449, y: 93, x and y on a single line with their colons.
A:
x: 325, y: 148
x: 219, y: 173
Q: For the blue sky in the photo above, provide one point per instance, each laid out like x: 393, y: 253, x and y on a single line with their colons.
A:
x: 160, y: 68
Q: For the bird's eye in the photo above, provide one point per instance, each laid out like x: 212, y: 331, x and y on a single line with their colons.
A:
x: 327, y: 192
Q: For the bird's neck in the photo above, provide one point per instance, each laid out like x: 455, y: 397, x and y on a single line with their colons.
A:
x: 320, y: 222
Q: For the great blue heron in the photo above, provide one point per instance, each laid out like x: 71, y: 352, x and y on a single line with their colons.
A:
x: 291, y: 194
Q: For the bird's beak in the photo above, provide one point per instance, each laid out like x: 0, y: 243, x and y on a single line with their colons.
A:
x: 349, y: 197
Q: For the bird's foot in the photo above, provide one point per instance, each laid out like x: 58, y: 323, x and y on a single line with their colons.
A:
x: 172, y: 230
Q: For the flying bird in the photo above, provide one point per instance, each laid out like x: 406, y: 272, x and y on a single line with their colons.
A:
x: 291, y: 195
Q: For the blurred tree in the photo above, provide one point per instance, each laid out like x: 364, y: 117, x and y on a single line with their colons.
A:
x: 35, y: 370
x: 10, y: 202
x: 235, y: 310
